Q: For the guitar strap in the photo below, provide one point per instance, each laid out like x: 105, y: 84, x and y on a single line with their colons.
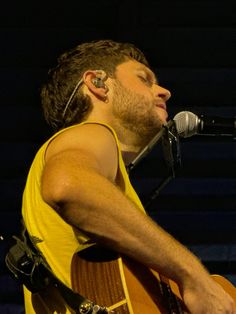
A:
x: 30, y: 268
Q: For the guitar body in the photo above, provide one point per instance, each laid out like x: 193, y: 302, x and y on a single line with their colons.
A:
x: 127, y: 287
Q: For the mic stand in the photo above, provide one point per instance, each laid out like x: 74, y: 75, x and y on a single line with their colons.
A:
x: 172, y: 155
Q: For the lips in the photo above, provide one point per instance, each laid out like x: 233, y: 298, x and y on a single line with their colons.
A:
x: 162, y: 106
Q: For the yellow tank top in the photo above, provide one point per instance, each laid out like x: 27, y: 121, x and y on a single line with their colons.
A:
x: 56, y: 239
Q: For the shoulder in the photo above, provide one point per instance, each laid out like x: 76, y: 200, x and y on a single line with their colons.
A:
x: 91, y: 141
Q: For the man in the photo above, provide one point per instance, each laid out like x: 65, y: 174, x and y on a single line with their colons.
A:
x: 105, y: 104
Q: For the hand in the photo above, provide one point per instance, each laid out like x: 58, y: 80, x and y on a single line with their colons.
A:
x: 208, y: 298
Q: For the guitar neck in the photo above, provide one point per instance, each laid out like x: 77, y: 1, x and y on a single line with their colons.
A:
x: 172, y: 302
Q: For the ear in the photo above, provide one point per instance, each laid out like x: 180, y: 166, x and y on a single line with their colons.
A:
x: 98, y: 91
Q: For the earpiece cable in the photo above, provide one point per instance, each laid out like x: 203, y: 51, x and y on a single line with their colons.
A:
x: 72, y: 95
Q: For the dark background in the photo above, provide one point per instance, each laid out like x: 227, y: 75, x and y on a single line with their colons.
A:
x: 191, y: 46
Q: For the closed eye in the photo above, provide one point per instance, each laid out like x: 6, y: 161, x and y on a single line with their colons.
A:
x: 145, y: 80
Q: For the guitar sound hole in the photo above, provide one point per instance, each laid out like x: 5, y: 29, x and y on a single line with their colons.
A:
x: 97, y: 253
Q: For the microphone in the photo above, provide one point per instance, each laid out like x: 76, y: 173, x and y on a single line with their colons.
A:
x: 189, y: 124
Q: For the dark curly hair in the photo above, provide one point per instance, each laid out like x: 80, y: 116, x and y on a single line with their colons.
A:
x: 62, y: 79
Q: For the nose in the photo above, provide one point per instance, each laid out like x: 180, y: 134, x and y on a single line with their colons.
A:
x: 162, y: 92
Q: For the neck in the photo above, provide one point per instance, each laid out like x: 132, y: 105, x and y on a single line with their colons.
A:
x: 128, y: 157
x: 131, y: 142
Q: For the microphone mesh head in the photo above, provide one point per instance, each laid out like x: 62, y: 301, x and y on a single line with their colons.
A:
x: 186, y: 123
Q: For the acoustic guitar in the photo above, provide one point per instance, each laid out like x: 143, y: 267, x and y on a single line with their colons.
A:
x: 127, y: 287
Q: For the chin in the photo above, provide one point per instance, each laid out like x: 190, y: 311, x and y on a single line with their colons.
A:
x: 163, y: 118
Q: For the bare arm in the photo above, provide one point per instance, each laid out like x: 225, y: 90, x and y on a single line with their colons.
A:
x: 79, y: 182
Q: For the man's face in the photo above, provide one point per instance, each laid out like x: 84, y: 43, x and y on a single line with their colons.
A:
x: 138, y: 101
